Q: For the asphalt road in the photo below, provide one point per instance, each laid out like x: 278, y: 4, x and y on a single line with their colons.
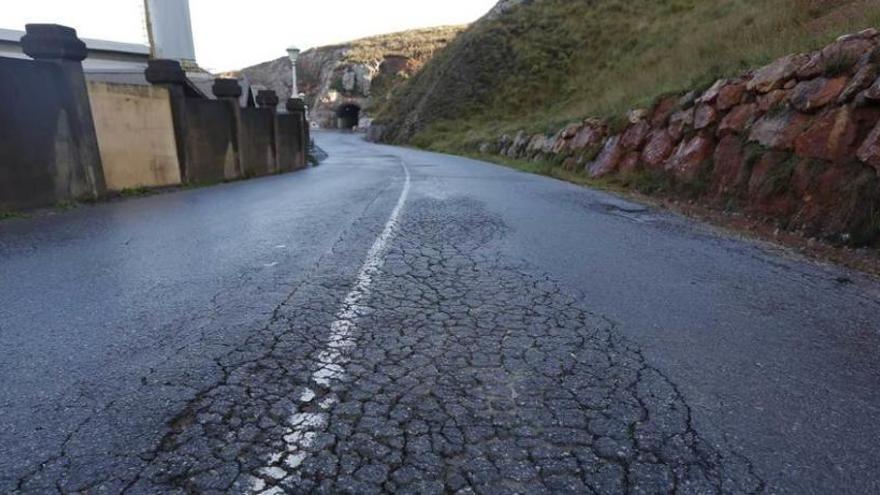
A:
x: 397, y: 320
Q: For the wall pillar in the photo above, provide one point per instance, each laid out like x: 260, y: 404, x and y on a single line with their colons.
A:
x: 78, y: 170
x: 297, y: 109
x: 170, y: 75
x: 307, y: 130
x: 229, y: 92
x: 267, y: 99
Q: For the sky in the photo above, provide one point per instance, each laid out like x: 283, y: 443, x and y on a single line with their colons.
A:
x: 232, y: 34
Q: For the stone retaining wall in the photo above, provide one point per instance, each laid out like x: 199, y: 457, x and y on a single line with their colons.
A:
x: 796, y: 142
x: 63, y: 139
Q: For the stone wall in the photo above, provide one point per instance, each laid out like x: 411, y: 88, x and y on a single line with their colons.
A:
x: 135, y: 135
x: 796, y: 143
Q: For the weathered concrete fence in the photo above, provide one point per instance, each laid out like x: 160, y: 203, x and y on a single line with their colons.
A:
x: 63, y: 138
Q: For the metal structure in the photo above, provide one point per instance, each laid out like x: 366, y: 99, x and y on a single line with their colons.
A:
x: 169, y: 27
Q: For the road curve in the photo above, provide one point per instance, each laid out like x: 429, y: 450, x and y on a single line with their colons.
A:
x: 397, y: 320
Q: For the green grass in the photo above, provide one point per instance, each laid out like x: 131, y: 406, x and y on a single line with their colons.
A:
x: 649, y: 182
x: 643, y: 182
x: 417, y: 43
x: 135, y: 192
x: 67, y: 205
x: 840, y: 64
x: 557, y: 61
x: 206, y: 183
x: 550, y: 169
x: 646, y: 182
x: 778, y: 179
x: 11, y: 214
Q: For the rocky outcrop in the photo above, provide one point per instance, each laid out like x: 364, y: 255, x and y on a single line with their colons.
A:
x: 362, y: 73
x: 796, y: 142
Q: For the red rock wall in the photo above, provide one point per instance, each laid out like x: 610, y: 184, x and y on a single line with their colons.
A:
x: 796, y: 142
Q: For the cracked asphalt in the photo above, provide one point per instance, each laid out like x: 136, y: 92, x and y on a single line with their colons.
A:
x: 409, y: 322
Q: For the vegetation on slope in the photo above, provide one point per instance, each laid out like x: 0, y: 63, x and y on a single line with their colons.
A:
x: 417, y: 44
x: 555, y: 61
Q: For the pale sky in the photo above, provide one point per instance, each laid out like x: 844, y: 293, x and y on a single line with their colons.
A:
x: 231, y: 34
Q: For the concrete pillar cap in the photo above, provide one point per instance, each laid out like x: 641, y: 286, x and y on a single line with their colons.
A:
x: 267, y: 98
x: 53, y: 42
x: 296, y: 105
x: 226, y: 88
x: 162, y: 71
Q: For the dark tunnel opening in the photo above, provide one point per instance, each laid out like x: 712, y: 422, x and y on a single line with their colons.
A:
x: 348, y: 116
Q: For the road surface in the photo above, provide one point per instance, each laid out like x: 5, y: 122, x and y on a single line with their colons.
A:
x: 397, y: 320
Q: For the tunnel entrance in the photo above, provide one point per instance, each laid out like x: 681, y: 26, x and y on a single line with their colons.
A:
x: 348, y: 116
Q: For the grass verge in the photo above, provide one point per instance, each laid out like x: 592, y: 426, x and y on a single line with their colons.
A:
x: 11, y: 214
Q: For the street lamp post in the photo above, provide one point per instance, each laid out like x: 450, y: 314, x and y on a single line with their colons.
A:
x: 293, y: 53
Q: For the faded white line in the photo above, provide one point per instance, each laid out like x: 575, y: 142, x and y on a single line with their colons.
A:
x: 303, y: 427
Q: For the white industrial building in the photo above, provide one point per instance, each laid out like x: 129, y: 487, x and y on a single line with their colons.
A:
x: 169, y: 27
x: 103, y: 55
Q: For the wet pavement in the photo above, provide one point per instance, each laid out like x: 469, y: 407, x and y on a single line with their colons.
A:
x: 402, y: 321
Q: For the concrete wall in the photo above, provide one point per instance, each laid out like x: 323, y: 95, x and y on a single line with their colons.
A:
x: 135, y: 135
x: 211, y: 145
x: 48, y: 147
x: 257, y: 141
x: 51, y: 121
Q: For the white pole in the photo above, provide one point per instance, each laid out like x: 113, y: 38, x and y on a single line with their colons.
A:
x: 148, y: 24
x: 293, y: 53
x: 170, y: 30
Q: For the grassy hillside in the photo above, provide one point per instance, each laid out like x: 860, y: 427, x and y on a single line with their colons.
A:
x: 554, y: 61
x: 417, y: 43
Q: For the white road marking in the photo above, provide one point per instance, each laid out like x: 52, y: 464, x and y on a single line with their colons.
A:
x: 304, y: 426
